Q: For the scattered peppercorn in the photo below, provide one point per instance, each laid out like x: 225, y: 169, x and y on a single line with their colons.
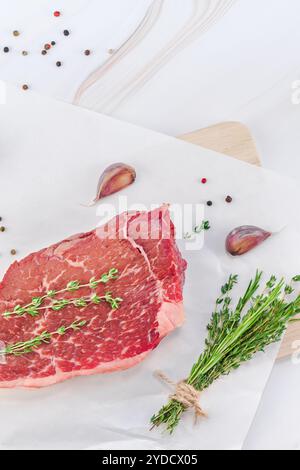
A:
x: 58, y: 63
x: 228, y: 199
x: 2, y: 229
x: 25, y: 87
x: 6, y: 49
x: 204, y: 181
x: 53, y: 43
x: 24, y: 53
x: 13, y: 252
x: 66, y: 32
x: 47, y: 47
x: 16, y: 33
x: 57, y: 14
x: 87, y: 52
x: 44, y: 52
x: 209, y: 203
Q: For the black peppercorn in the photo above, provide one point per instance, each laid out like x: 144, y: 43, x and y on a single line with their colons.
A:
x: 6, y: 49
x: 87, y: 52
x: 44, y: 52
x: 58, y: 64
x: 209, y: 203
x: 228, y: 199
x: 2, y: 229
x: 53, y: 43
x: 13, y: 252
x: 25, y: 87
x: 66, y: 32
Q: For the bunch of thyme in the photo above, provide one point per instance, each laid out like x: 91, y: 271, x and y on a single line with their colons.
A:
x: 234, y: 336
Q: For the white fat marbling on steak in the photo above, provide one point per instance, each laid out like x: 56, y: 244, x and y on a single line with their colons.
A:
x: 150, y: 282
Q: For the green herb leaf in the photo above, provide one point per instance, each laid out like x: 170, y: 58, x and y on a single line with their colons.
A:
x: 96, y: 299
x: 112, y: 274
x: 60, y: 304
x: 37, y: 301
x: 32, y: 311
x: 289, y: 290
x: 93, y: 284
x: 61, y: 331
x: 80, y: 303
x: 51, y: 294
x: 73, y: 286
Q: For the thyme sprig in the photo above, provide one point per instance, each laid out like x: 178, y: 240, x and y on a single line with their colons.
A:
x: 37, y: 304
x: 79, y: 302
x: 234, y: 338
x: 25, y: 347
x: 204, y: 226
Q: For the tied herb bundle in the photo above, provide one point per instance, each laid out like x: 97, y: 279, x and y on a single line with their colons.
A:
x: 235, y: 334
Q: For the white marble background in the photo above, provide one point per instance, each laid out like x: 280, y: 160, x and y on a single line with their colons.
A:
x: 175, y: 66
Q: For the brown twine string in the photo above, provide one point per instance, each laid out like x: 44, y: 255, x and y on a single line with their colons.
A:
x: 184, y: 393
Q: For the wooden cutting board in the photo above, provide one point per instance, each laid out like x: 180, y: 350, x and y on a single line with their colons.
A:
x: 234, y: 139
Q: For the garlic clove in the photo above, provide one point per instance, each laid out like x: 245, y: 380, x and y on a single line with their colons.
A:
x: 245, y: 238
x: 114, y: 178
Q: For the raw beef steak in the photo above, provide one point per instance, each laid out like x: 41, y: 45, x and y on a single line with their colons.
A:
x: 150, y: 281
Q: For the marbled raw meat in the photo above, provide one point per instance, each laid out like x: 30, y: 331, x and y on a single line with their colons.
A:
x: 151, y: 277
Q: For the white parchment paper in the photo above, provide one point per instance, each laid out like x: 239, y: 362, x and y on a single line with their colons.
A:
x: 51, y: 155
